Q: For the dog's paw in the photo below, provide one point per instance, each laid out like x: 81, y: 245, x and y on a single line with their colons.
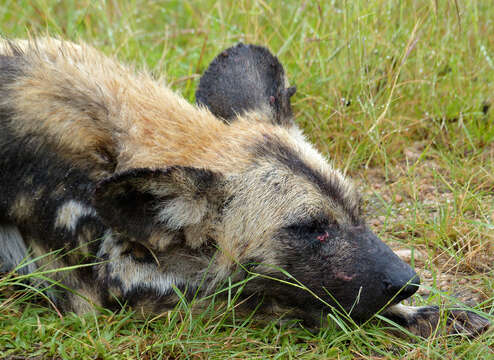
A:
x: 427, y: 320
x: 466, y: 322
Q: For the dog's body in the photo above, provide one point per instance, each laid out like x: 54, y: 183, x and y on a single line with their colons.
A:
x: 153, y: 193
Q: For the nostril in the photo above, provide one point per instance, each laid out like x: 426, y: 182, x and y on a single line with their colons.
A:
x: 409, y: 290
x: 415, y: 281
x: 388, y: 286
x: 401, y: 290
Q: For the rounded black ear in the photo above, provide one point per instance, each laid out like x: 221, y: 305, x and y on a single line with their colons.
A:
x: 245, y: 78
x: 140, y: 201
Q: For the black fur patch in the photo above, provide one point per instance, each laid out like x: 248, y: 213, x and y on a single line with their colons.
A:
x: 125, y: 206
x: 32, y: 171
x: 128, y: 202
x: 243, y: 78
x: 10, y: 69
x: 138, y: 252
x: 273, y: 148
x: 152, y: 298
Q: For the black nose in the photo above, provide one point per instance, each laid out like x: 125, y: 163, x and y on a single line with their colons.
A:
x: 401, y: 288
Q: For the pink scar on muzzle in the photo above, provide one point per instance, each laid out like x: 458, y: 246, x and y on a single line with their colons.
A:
x: 343, y: 276
x: 323, y: 238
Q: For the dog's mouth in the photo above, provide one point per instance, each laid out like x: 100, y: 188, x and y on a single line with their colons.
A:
x: 320, y: 316
x: 354, y: 304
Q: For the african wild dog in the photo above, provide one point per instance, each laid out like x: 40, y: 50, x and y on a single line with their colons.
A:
x: 120, y: 172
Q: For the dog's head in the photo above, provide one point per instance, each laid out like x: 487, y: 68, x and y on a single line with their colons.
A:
x: 285, y: 215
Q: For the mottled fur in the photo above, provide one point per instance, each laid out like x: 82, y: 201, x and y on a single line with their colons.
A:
x: 152, y: 192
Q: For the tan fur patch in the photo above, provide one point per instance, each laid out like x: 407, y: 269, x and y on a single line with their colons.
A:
x: 23, y: 207
x: 59, y: 190
x: 69, y: 214
x: 159, y: 240
x: 132, y: 116
x: 84, y: 300
x: 84, y: 237
x: 181, y: 212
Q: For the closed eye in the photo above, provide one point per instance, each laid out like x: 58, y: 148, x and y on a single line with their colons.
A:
x: 314, y: 229
x: 311, y: 227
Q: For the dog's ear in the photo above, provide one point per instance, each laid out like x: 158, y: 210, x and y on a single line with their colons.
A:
x: 141, y: 202
x: 246, y: 78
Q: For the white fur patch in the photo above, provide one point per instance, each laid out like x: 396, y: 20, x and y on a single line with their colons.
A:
x: 68, y: 214
x: 179, y: 212
x: 402, y: 310
x: 13, y: 250
x: 132, y: 274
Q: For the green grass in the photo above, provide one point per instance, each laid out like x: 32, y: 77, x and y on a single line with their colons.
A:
x: 396, y: 93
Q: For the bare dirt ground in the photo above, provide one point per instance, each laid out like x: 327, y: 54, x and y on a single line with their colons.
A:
x: 392, y: 204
